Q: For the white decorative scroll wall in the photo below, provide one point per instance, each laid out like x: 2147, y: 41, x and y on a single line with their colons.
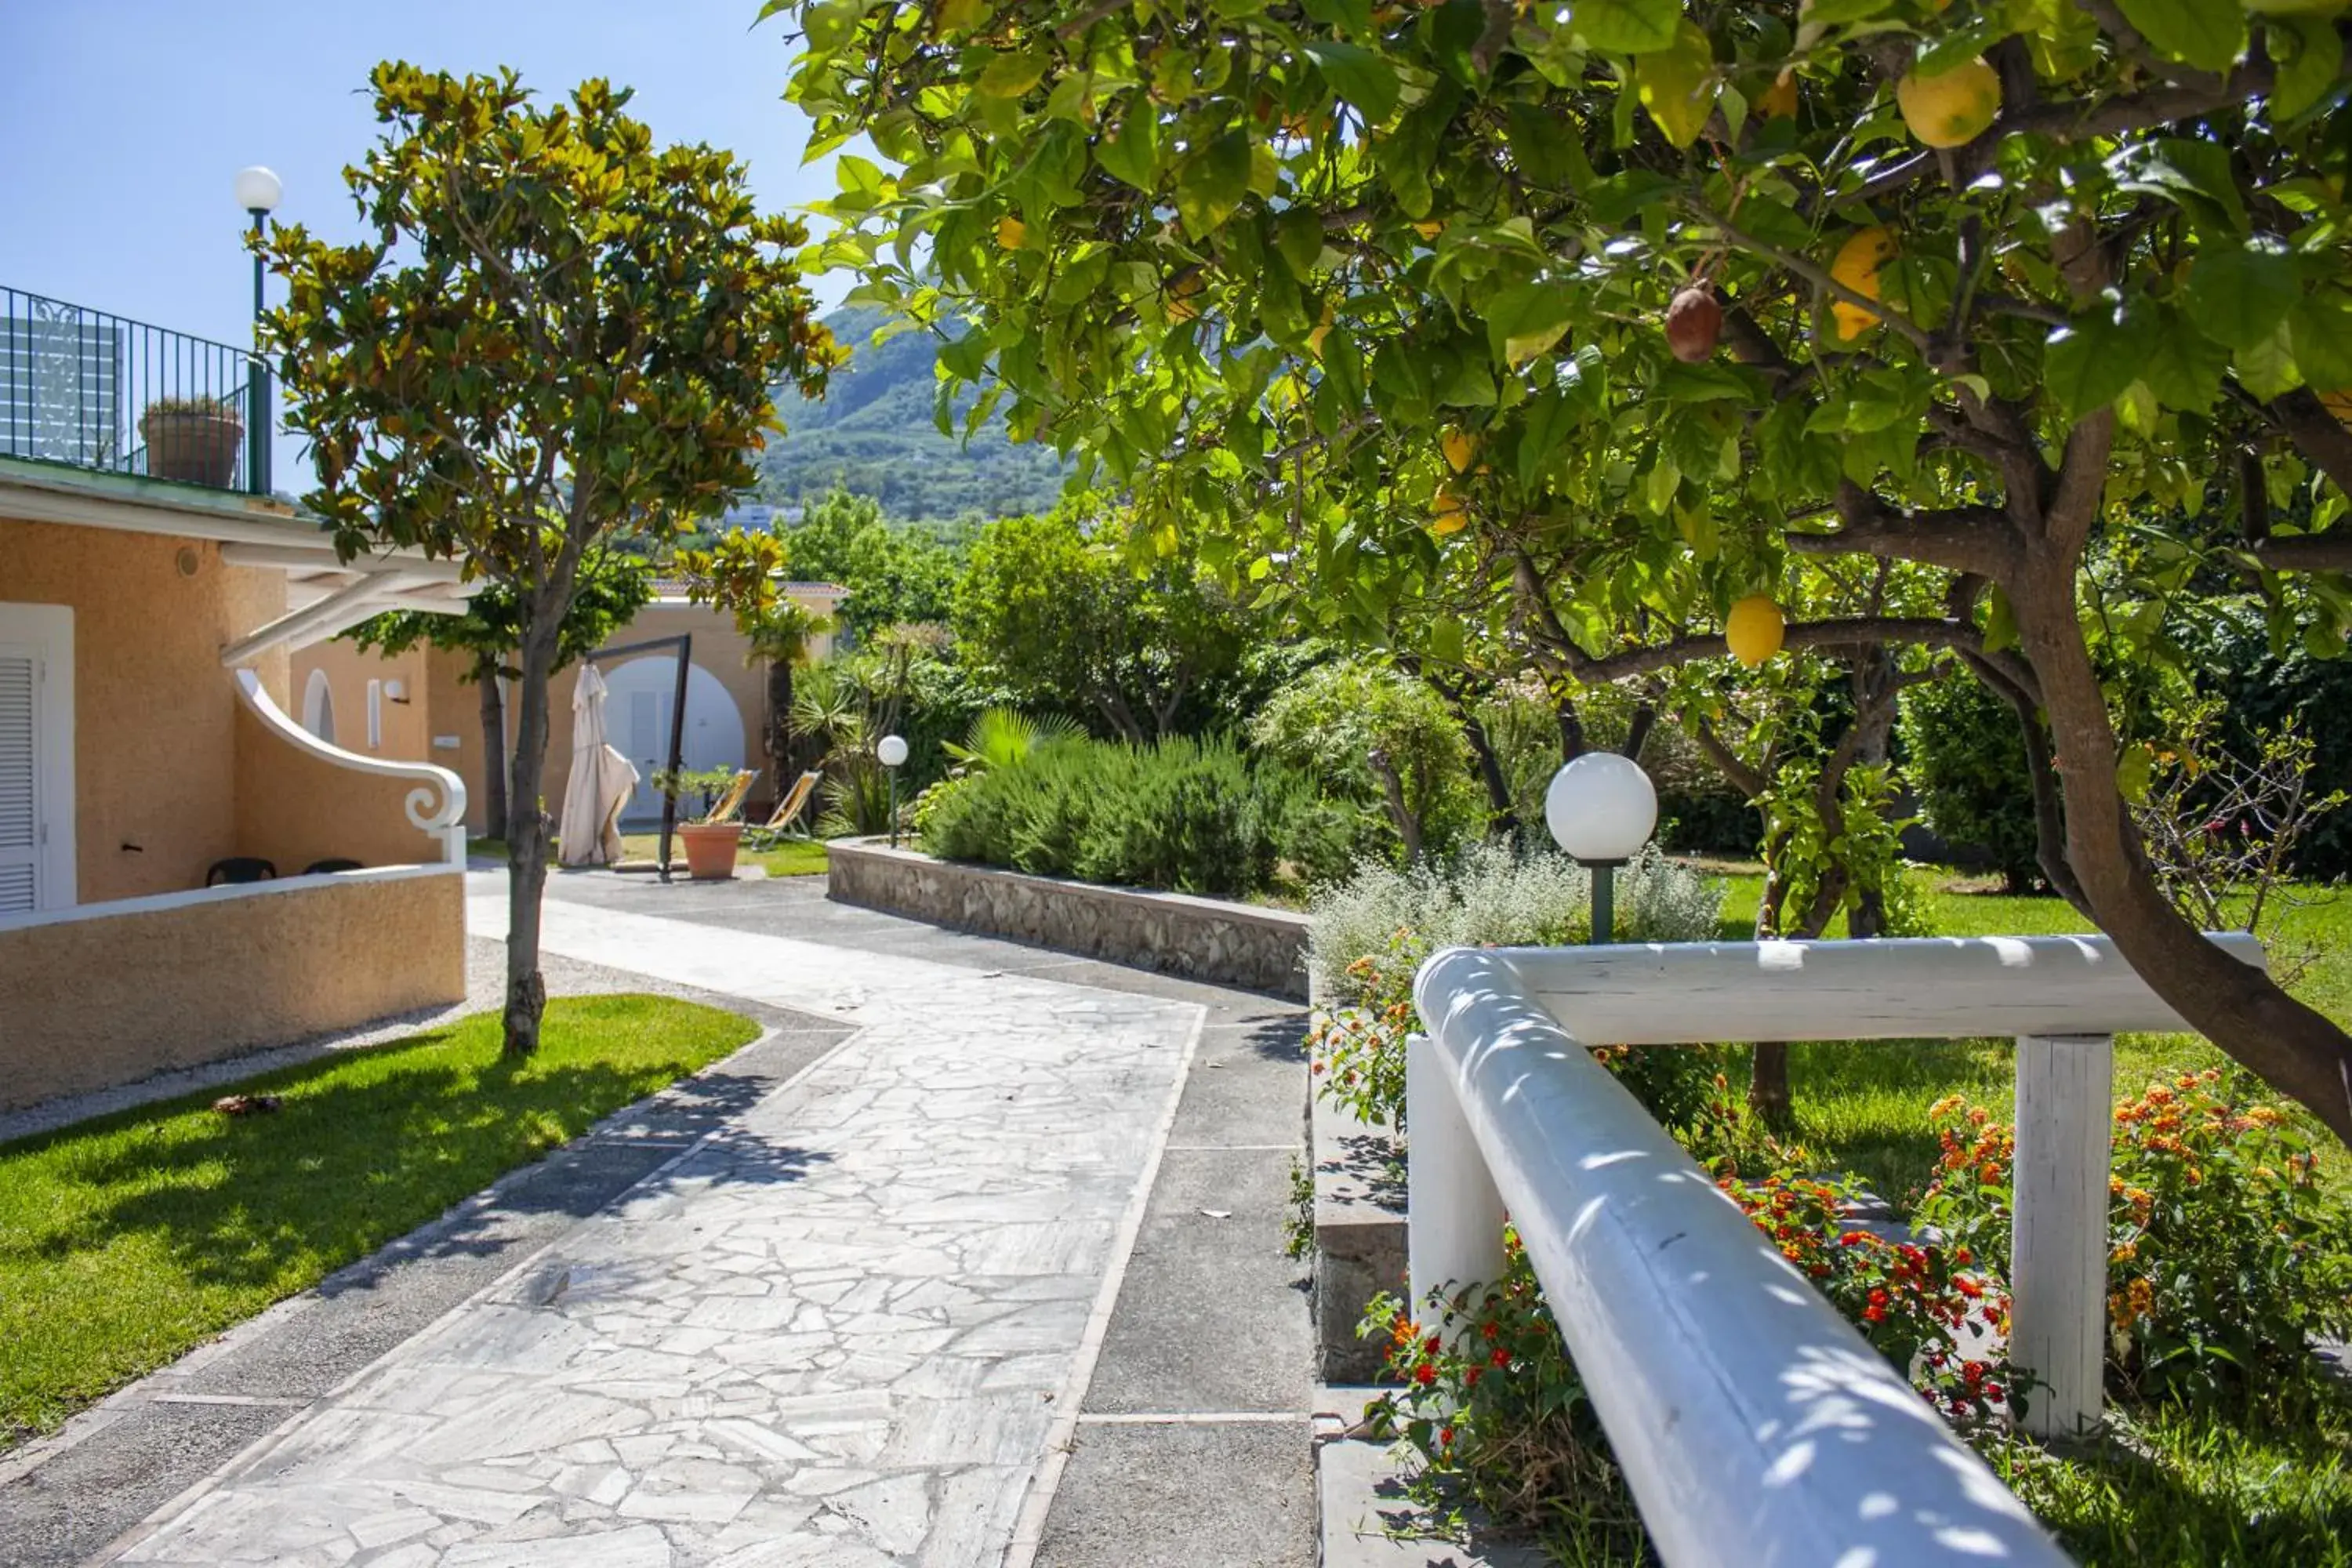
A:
x: 437, y: 806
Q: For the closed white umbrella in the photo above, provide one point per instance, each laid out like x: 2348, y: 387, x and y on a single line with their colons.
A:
x: 600, y: 785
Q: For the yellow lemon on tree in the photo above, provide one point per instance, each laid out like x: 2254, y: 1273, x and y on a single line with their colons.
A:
x: 1856, y: 267
x: 1952, y: 108
x: 1181, y: 306
x: 1754, y: 629
x: 1320, y: 330
x: 1459, y: 447
x: 1011, y: 232
x: 1450, y: 514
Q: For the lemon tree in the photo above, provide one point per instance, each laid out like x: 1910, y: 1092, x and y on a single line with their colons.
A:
x: 2061, y: 328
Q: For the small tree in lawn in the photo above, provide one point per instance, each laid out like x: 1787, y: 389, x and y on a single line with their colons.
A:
x: 558, y: 334
x: 613, y: 588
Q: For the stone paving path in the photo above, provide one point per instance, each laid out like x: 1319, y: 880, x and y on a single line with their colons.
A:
x: 846, y: 1329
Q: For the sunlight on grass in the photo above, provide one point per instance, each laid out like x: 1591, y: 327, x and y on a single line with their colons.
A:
x: 794, y: 858
x: 1862, y: 1105
x: 127, y: 1240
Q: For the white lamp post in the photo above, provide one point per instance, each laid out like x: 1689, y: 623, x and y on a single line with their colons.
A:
x: 1602, y: 808
x: 892, y: 750
x: 258, y: 191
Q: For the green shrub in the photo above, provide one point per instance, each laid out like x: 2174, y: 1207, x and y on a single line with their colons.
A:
x: 2226, y: 1256
x: 1370, y: 933
x: 1197, y: 816
x: 1965, y: 757
x: 1501, y: 1416
x: 1331, y: 719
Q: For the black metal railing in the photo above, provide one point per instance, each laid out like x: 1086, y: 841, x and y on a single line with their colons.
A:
x: 91, y: 390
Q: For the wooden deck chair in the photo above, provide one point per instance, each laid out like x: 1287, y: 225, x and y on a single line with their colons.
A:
x: 795, y: 801
x: 731, y: 802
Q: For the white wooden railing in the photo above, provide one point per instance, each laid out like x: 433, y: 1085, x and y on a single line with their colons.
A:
x: 1754, y: 1424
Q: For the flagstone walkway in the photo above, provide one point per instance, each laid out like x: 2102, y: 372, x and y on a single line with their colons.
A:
x: 846, y: 1328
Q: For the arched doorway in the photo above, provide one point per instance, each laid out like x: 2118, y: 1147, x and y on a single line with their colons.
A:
x: 641, y: 695
x: 319, y: 706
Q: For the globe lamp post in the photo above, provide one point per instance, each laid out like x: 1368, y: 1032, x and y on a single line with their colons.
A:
x: 258, y: 192
x: 892, y: 751
x: 1601, y: 809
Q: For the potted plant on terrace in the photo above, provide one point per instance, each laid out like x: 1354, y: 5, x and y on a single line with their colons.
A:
x: 712, y: 836
x: 193, y: 439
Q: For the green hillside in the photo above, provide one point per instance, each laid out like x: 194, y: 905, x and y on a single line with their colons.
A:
x: 872, y: 434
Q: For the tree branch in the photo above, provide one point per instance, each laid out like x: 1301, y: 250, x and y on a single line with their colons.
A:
x: 2074, y: 121
x: 1815, y: 274
x: 1854, y: 632
x: 2317, y: 432
x: 1977, y: 540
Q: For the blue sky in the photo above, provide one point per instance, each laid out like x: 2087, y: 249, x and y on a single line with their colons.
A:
x: 125, y: 121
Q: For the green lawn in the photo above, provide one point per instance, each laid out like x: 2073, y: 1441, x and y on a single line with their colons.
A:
x: 1863, y: 1106
x: 794, y: 857
x: 127, y: 1240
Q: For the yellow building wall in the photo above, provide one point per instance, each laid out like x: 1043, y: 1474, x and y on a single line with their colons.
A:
x: 155, y: 714
x: 232, y: 971
x: 447, y: 706
x: 294, y: 809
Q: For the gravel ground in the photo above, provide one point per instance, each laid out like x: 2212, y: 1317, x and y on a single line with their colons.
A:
x: 484, y: 991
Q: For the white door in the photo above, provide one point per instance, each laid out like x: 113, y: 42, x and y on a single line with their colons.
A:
x: 37, y: 859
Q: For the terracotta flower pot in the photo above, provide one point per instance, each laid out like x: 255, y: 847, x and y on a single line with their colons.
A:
x: 711, y: 849
x: 194, y: 447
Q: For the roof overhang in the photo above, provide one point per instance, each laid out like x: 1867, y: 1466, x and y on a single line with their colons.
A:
x: 324, y: 593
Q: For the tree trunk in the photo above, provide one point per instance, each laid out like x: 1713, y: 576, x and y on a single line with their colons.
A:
x: 1768, y: 1082
x: 494, y: 747
x: 780, y: 726
x: 1113, y: 707
x: 528, y: 829
x: 1571, y: 729
x: 1408, y: 826
x: 1502, y: 812
x: 2296, y: 1049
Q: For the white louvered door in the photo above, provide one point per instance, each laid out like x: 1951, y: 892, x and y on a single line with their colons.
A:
x: 22, y: 853
x: 36, y: 805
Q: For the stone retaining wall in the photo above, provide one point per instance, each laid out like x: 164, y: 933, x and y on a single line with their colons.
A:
x: 1199, y: 938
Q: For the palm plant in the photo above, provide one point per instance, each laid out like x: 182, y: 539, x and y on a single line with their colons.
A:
x: 783, y: 635
x: 1002, y: 737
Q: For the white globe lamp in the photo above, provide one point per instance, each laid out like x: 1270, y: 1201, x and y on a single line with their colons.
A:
x: 891, y: 751
x: 1602, y: 808
x: 258, y: 190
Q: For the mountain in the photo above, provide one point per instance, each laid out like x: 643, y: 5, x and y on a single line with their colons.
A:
x: 872, y: 433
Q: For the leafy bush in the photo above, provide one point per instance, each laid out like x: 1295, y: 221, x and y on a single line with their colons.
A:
x: 1965, y: 757
x: 2262, y: 687
x: 1196, y: 816
x: 1503, y: 1413
x: 2225, y: 1255
x: 1332, y: 719
x: 1491, y: 895
x: 1370, y: 934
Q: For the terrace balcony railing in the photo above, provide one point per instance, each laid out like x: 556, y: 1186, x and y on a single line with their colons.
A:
x: 1753, y: 1424
x: 89, y: 390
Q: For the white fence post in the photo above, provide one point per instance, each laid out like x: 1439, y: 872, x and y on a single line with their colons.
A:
x: 2058, y: 1262
x: 1455, y: 1219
